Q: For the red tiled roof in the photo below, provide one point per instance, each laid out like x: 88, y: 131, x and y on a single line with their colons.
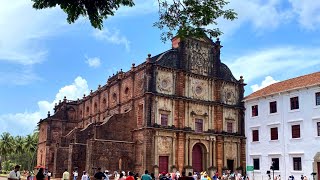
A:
x: 294, y: 83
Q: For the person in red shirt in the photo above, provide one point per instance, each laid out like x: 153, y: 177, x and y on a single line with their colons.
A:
x: 130, y: 177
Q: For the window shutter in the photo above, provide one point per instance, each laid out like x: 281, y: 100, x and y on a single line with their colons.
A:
x: 255, y: 135
x: 274, y: 133
x: 295, y: 131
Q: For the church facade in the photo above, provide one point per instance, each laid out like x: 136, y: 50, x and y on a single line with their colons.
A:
x: 181, y: 109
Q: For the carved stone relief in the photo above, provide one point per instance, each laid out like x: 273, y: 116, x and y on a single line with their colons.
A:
x: 229, y: 94
x: 231, y: 150
x: 165, y: 145
x: 198, y: 57
x: 199, y: 89
x: 165, y: 82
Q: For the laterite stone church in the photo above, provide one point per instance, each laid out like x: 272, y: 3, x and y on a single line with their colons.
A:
x: 180, y: 109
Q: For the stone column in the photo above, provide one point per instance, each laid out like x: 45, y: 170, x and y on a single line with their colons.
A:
x: 186, y: 154
x: 156, y: 153
x: 174, y: 150
x: 214, y: 153
x: 180, y: 151
x: 220, y: 153
x: 210, y: 152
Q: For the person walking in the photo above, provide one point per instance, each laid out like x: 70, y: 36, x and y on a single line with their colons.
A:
x: 106, y: 173
x: 65, y: 175
x: 14, y: 174
x: 40, y: 175
x: 130, y: 176
x: 75, y: 174
x: 99, y: 175
x: 146, y: 176
x: 84, y: 176
x: 49, y: 175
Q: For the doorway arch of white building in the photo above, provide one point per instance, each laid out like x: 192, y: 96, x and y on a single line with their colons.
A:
x: 316, y: 165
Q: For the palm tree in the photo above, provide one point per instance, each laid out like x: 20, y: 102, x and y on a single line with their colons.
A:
x: 30, y: 145
x: 19, y: 144
x: 6, y: 145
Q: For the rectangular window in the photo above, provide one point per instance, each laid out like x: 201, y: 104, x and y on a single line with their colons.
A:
x: 273, y: 107
x: 254, y: 110
x: 318, y: 128
x: 297, y: 164
x: 295, y: 130
x: 274, y: 133
x: 255, y: 135
x: 294, y: 103
x: 199, y: 125
x: 275, y: 163
x: 256, y: 164
x: 164, y: 119
x: 229, y: 127
x: 317, y: 98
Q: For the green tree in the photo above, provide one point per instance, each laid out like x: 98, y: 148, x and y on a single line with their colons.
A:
x: 6, y: 145
x: 183, y: 17
x: 31, y: 144
x: 19, y: 144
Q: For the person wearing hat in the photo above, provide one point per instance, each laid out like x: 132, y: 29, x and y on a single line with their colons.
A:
x: 163, y: 176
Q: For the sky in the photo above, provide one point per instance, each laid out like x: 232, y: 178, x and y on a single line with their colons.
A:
x: 43, y: 58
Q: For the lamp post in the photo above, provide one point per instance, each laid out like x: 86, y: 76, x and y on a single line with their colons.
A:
x: 272, y: 168
x: 313, y: 174
x: 268, y: 172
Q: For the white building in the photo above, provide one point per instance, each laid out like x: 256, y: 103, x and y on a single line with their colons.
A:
x: 283, y: 125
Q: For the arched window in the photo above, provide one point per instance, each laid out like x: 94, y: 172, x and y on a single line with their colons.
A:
x: 114, y: 96
x: 126, y: 91
x: 104, y: 103
x: 95, y: 108
x: 88, y: 109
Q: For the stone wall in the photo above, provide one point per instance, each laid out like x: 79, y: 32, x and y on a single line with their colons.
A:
x: 111, y: 155
x: 61, y: 162
x: 118, y: 127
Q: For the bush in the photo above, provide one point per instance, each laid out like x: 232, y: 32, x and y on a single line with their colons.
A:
x: 7, y: 165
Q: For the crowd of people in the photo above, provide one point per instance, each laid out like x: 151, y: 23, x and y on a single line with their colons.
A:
x: 99, y: 175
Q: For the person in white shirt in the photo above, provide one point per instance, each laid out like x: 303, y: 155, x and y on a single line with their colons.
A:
x: 75, y: 175
x: 84, y: 176
x: 49, y: 175
x: 14, y: 174
x: 106, y: 173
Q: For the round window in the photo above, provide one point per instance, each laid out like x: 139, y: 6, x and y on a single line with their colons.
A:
x: 164, y: 83
x: 198, y: 89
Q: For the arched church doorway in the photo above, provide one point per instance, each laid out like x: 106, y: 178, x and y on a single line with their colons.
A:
x: 197, y: 157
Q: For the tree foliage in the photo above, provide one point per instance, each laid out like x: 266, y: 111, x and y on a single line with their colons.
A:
x: 181, y: 17
x: 18, y: 150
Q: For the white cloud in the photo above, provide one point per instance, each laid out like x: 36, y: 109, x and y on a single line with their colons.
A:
x: 24, y: 123
x: 281, y: 60
x: 21, y: 29
x: 266, y: 82
x: 22, y: 32
x: 112, y: 37
x: 259, y: 14
x: 308, y: 13
x: 93, y: 62
x: 142, y: 7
